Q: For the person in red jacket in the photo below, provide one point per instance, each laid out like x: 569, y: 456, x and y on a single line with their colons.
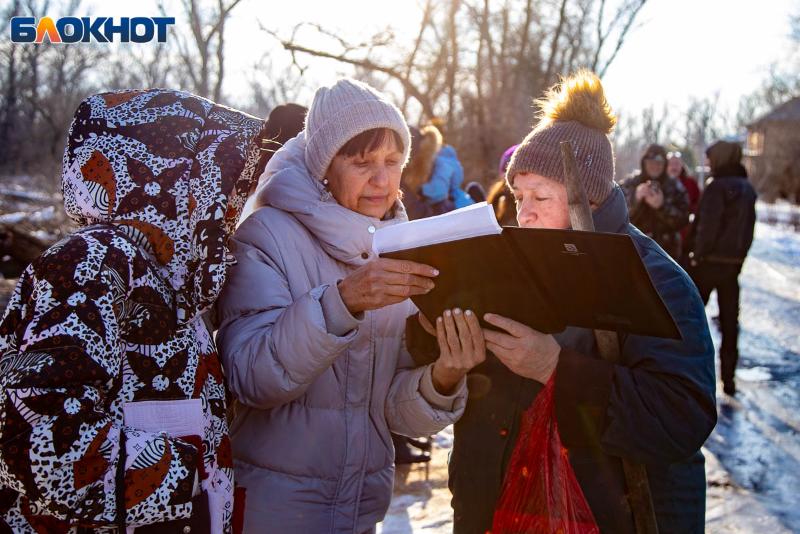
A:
x: 676, y: 169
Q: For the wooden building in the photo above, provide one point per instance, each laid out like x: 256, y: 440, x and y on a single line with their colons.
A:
x: 772, y: 153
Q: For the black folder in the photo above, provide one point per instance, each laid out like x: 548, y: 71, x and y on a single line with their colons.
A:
x: 546, y: 279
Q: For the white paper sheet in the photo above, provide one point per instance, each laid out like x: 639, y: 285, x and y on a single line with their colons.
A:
x: 472, y: 221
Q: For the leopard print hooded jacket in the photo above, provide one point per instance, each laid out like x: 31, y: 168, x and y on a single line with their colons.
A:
x: 112, y: 314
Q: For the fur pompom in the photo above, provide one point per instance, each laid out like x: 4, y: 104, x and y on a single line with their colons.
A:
x: 578, y: 97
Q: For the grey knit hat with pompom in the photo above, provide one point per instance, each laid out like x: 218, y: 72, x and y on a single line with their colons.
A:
x: 574, y: 110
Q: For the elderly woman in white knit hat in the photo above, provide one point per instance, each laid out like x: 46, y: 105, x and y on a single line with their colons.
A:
x: 312, y: 326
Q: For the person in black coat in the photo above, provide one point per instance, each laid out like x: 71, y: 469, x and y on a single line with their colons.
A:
x: 722, y: 237
x: 657, y: 203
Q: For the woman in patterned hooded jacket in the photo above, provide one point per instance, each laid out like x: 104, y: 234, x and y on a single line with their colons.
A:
x: 111, y: 315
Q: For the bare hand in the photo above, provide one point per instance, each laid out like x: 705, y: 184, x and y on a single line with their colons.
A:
x: 655, y: 199
x: 525, y: 351
x: 383, y: 282
x: 642, y: 190
x: 461, y: 347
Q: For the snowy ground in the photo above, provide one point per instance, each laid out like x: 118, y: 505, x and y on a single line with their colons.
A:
x: 753, y: 456
x: 754, y: 453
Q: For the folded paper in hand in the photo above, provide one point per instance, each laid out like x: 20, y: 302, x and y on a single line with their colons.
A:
x: 475, y: 220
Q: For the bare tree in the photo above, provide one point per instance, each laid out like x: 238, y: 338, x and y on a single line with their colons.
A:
x: 617, y: 30
x: 270, y: 87
x: 779, y: 86
x: 202, y: 52
x: 358, y: 56
x: 628, y: 143
x: 43, y: 87
x: 427, y: 14
x: 452, y: 63
x: 479, y: 64
x: 9, y: 103
x: 654, y: 124
x: 781, y: 83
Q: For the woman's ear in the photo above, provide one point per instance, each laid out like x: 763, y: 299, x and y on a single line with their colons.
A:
x: 332, y: 170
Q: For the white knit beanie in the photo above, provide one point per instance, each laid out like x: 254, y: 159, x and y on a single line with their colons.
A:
x: 341, y: 112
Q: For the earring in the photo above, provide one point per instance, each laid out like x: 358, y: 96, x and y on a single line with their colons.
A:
x: 325, y: 194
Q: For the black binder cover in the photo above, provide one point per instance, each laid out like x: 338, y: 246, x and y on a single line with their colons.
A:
x: 547, y: 279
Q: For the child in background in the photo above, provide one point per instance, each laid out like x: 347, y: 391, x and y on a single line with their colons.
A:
x: 447, y: 175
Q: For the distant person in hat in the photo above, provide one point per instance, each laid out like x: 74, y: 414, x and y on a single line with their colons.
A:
x: 723, y: 235
x: 658, y: 204
x: 676, y: 169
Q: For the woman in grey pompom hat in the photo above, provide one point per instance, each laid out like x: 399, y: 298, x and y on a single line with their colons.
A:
x: 312, y: 326
x: 655, y: 405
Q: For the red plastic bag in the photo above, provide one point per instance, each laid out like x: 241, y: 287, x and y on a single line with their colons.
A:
x: 540, y: 491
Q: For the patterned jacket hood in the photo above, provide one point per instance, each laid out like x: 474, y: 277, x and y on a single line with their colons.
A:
x: 170, y: 169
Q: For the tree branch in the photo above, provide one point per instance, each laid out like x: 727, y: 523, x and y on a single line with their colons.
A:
x: 367, y: 64
x: 548, y: 73
x: 623, y: 34
x: 426, y: 18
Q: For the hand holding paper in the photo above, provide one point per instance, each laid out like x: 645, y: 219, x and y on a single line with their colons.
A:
x: 384, y: 282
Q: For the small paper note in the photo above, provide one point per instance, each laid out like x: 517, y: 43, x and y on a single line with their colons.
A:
x: 177, y: 418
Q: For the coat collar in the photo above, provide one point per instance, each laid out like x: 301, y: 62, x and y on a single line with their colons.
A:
x: 612, y: 215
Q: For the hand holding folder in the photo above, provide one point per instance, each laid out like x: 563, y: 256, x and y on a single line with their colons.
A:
x: 547, y: 279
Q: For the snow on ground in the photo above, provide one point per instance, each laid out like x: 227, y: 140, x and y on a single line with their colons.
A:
x: 421, y: 501
x: 753, y: 455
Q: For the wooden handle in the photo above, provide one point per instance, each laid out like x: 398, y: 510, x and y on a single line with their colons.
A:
x: 580, y: 214
x: 644, y: 514
x: 580, y: 217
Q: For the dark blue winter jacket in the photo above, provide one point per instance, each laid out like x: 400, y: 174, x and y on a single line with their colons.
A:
x: 656, y: 406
